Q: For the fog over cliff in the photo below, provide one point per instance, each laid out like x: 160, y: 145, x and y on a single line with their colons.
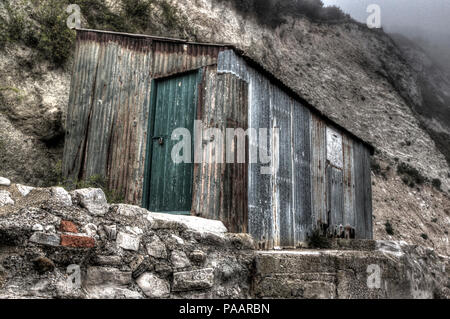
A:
x: 425, y: 22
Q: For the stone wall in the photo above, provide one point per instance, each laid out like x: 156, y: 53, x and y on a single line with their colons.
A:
x: 55, y: 244
x: 50, y: 248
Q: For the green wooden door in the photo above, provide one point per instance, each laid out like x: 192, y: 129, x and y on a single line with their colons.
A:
x: 170, y: 185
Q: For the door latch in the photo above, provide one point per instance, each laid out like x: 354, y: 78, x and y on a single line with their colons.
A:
x: 160, y: 139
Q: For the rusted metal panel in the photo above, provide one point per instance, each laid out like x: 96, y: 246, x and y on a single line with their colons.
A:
x: 220, y: 187
x: 282, y: 184
x: 125, y: 145
x: 318, y: 166
x: 172, y: 58
x: 109, y: 119
x: 235, y: 199
x: 228, y: 62
x: 79, y: 107
x: 349, y: 186
x: 367, y: 194
x: 358, y: 162
x: 301, y: 163
x: 335, y: 201
x: 261, y: 219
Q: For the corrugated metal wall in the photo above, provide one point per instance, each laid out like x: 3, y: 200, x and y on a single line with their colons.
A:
x: 108, y: 110
x: 220, y: 190
x: 322, y: 183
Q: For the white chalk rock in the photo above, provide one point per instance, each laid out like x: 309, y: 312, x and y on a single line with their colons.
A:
x: 179, y: 260
x: 50, y: 229
x: 127, y: 241
x: 197, y: 224
x: 152, y: 286
x: 93, y: 199
x: 24, y: 190
x: 156, y: 248
x: 5, y: 198
x: 90, y: 229
x: 4, y: 181
x: 37, y: 227
x: 60, y: 195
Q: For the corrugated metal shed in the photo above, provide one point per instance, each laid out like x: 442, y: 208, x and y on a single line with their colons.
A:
x: 321, y: 177
x: 316, y: 156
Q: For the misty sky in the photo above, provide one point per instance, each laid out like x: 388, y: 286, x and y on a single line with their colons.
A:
x: 429, y: 15
x: 426, y: 22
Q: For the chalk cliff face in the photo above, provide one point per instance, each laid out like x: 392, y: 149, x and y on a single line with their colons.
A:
x: 360, y: 78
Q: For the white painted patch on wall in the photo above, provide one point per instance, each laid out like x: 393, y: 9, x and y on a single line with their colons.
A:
x: 334, y: 148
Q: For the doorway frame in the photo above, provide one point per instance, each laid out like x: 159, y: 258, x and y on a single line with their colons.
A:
x: 150, y: 132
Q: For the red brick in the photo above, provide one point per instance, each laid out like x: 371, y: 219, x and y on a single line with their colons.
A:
x: 77, y: 241
x: 68, y: 227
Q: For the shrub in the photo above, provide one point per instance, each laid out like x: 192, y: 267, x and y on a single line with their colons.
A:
x: 99, y: 16
x: 95, y: 181
x: 274, y: 12
x: 424, y: 236
x: 11, y: 30
x: 44, y: 29
x: 389, y: 229
x: 376, y: 167
x: 54, y: 40
x: 410, y: 175
x: 436, y: 183
x: 138, y: 11
x: 317, y: 241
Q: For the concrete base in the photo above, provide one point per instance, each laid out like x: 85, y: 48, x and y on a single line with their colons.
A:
x: 379, y: 270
